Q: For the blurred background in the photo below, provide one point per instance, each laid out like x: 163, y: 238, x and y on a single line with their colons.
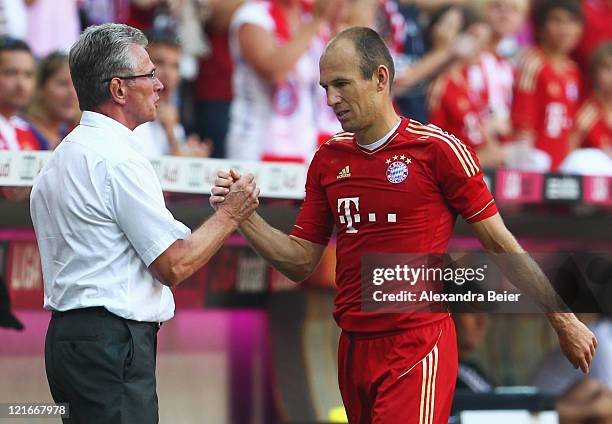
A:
x: 526, y: 83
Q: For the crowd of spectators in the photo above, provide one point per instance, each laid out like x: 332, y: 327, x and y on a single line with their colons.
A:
x: 520, y: 81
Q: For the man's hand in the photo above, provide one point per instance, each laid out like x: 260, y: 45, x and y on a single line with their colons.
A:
x: 576, y: 341
x: 222, y: 186
x: 235, y: 195
x: 168, y: 117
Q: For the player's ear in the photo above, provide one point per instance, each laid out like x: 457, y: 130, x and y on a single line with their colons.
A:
x: 382, y: 78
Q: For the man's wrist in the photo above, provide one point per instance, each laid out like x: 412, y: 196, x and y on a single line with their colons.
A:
x: 560, y: 320
x: 227, y: 219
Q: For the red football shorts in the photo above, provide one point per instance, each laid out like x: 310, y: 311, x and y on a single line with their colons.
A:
x: 403, y: 378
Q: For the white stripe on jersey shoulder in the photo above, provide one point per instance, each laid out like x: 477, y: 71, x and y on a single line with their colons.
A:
x: 457, y: 146
x: 341, y: 136
x: 479, y: 212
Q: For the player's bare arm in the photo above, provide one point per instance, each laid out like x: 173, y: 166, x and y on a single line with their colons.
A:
x: 184, y: 257
x: 294, y: 257
x: 577, y: 342
x: 274, y: 61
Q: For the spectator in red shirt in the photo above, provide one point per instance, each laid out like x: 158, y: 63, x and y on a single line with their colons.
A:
x: 213, y: 88
x: 460, y: 110
x: 16, y: 89
x: 546, y: 91
x: 594, y: 119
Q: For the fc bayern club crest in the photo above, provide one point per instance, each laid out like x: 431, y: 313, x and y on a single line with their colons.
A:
x: 397, y: 172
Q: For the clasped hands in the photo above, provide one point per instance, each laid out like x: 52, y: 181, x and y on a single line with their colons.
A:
x: 235, y: 195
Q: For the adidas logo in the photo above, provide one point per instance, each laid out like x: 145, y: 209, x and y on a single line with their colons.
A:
x: 344, y: 173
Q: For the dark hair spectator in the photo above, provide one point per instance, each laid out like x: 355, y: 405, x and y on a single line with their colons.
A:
x: 54, y: 109
x: 543, y: 8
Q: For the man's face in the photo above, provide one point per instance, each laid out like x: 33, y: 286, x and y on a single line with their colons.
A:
x: 59, y: 96
x: 353, y: 98
x: 504, y: 16
x: 166, y: 59
x: 142, y: 93
x: 561, y: 31
x: 16, y: 80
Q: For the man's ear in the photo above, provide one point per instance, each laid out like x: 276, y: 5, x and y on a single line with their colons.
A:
x: 382, y: 78
x: 117, y: 88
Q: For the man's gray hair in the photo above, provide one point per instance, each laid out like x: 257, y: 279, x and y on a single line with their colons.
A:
x: 102, y: 52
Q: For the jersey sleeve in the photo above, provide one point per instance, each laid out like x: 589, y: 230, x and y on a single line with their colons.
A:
x: 315, y: 220
x: 583, y: 126
x: 525, y: 104
x: 460, y: 178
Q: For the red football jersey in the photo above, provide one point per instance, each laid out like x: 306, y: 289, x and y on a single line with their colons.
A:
x: 545, y: 102
x: 597, y: 18
x: 402, y: 197
x: 593, y: 128
x: 457, y: 109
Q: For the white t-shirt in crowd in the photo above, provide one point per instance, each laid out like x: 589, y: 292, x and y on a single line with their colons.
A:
x: 267, y: 120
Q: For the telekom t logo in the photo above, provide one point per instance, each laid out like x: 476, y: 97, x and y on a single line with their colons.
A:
x: 344, y: 207
x: 346, y: 217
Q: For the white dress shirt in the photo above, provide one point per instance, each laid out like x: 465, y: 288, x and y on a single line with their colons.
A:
x: 100, y: 221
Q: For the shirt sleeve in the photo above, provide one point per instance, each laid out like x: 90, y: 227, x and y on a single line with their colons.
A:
x: 460, y: 178
x: 315, y: 220
x: 525, y: 105
x: 137, y: 204
x: 252, y: 13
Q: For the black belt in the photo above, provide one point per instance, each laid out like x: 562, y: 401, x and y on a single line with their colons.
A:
x: 100, y: 311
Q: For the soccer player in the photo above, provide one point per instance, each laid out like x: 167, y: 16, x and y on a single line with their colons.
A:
x: 594, y: 119
x: 546, y: 92
x: 389, y: 184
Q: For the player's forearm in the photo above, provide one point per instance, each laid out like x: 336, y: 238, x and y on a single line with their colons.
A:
x: 279, y: 249
x: 517, y: 265
x: 191, y: 254
x: 285, y: 57
x: 426, y: 68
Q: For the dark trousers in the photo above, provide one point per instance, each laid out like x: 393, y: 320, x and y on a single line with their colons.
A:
x: 103, y: 366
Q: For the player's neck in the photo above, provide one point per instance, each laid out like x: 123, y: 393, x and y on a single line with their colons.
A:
x: 382, y: 126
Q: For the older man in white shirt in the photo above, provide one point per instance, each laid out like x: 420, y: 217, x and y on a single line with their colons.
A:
x: 110, y: 249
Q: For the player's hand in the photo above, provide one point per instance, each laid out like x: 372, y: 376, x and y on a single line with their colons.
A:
x: 241, y: 199
x: 447, y: 28
x: 576, y: 341
x: 221, y: 188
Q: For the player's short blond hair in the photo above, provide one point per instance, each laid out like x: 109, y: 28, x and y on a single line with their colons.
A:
x: 521, y: 5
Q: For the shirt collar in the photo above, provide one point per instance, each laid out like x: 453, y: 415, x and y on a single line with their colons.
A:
x: 98, y: 120
x: 383, y: 140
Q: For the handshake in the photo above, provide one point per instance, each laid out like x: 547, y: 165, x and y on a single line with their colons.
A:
x: 235, y: 195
